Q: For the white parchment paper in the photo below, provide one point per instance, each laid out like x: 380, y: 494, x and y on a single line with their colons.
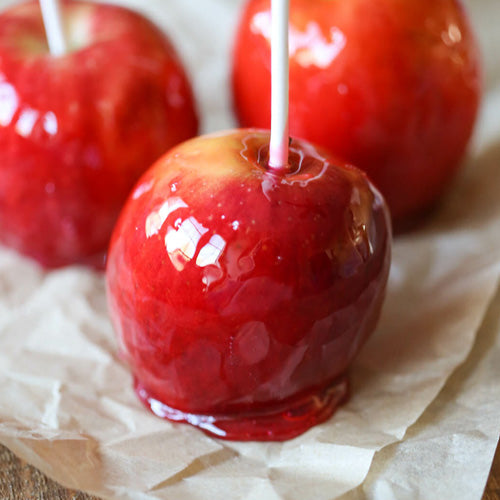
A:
x: 423, y: 419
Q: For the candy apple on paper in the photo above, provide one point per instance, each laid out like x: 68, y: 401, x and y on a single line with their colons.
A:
x: 245, y: 273
x: 241, y: 293
x: 392, y: 86
x: 77, y: 130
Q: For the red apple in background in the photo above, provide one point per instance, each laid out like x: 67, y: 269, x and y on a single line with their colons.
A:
x: 240, y: 295
x: 391, y: 86
x: 77, y: 131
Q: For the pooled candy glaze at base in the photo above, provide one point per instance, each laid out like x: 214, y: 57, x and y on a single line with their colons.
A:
x: 392, y: 86
x: 77, y: 131
x: 286, y: 420
x: 241, y: 295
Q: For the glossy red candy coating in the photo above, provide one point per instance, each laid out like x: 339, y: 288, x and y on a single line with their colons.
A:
x: 240, y: 296
x: 390, y: 85
x: 76, y: 132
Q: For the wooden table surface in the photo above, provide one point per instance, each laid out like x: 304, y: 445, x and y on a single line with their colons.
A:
x: 19, y: 481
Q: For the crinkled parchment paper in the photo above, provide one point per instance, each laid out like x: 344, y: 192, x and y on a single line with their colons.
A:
x: 423, y: 420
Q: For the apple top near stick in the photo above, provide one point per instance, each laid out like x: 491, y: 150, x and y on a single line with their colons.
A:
x: 278, y: 150
x: 52, y: 20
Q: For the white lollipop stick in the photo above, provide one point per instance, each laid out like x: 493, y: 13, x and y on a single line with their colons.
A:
x: 51, y: 13
x: 278, y: 150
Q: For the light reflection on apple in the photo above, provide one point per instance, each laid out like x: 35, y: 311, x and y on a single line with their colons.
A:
x: 27, y: 117
x: 50, y: 124
x: 26, y: 121
x: 157, y: 218
x: 8, y: 102
x: 182, y: 243
x: 309, y: 47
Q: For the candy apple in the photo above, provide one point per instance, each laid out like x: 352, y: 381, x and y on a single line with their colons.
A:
x: 77, y: 131
x: 391, y: 85
x: 241, y: 294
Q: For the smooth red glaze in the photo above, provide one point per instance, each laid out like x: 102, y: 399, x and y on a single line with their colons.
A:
x: 390, y: 85
x: 77, y: 132
x: 241, y: 295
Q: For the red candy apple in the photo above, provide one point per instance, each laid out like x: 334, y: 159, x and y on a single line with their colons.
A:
x: 77, y: 131
x: 390, y: 85
x: 240, y: 294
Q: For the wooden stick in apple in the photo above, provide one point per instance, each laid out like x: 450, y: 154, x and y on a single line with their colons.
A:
x: 278, y: 150
x: 51, y: 13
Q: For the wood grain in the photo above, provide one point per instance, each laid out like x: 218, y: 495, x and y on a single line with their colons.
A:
x: 19, y: 481
x: 493, y: 487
